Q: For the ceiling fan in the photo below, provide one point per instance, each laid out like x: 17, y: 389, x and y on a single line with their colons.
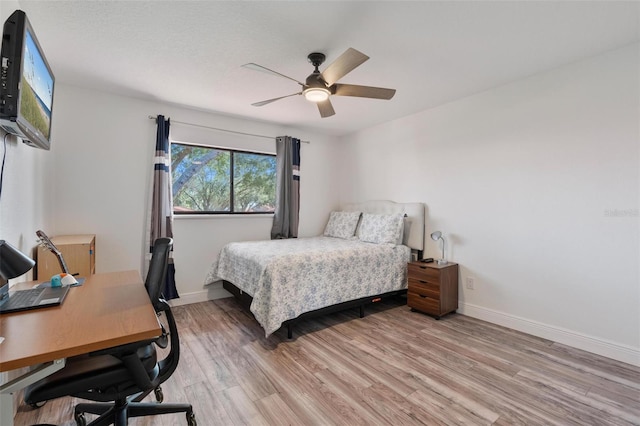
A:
x: 320, y: 85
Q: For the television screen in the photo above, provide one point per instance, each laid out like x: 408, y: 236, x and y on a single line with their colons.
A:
x: 26, y: 92
x: 37, y: 88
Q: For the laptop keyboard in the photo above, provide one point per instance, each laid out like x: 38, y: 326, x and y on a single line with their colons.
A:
x: 24, y: 297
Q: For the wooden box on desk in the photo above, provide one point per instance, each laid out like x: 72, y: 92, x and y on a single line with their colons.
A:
x: 78, y: 251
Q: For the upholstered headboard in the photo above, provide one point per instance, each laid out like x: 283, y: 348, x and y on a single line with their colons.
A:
x: 413, y: 223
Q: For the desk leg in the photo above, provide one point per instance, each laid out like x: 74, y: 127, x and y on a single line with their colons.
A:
x: 8, y: 389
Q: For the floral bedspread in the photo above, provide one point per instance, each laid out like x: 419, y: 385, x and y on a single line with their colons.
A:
x: 289, y: 277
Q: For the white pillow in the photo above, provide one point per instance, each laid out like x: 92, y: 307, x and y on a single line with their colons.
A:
x: 342, y: 224
x: 381, y: 228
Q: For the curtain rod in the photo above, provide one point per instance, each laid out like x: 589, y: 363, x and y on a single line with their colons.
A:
x: 151, y: 117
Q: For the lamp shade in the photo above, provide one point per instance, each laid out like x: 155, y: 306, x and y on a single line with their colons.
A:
x: 316, y: 94
x: 13, y: 262
x: 435, y: 236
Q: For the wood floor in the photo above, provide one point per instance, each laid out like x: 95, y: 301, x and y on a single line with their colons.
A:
x: 392, y: 367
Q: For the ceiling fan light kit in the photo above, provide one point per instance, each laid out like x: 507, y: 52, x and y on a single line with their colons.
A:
x: 316, y: 94
x: 319, y: 86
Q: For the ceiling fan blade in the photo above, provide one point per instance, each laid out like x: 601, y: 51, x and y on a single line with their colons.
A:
x: 257, y: 67
x: 326, y: 109
x: 363, y: 91
x: 268, y: 101
x: 342, y: 66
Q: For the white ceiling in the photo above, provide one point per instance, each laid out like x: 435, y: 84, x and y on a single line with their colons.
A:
x: 190, y: 52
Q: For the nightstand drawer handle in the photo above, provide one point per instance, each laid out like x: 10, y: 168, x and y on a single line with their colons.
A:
x: 422, y: 296
x: 424, y: 282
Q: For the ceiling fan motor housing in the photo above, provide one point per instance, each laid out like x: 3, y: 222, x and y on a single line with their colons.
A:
x: 315, y: 80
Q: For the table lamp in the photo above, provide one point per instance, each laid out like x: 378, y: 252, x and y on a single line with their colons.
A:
x: 13, y: 262
x: 435, y: 237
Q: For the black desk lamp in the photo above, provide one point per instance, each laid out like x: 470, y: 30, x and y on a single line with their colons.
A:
x: 13, y: 262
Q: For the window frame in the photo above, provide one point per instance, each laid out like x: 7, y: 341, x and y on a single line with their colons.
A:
x: 231, y: 151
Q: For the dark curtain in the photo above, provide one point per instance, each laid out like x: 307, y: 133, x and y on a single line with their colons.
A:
x: 286, y: 217
x: 162, y: 201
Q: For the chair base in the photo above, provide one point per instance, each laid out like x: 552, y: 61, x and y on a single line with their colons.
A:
x: 118, y: 414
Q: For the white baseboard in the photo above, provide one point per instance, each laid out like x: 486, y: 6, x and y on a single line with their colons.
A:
x: 211, y: 292
x: 595, y: 345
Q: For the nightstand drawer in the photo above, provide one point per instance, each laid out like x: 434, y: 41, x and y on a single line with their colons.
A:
x: 424, y: 288
x: 423, y: 272
x: 423, y: 303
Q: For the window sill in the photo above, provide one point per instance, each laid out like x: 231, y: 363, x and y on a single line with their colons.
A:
x: 222, y: 216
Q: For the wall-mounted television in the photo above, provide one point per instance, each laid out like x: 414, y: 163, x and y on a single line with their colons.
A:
x: 26, y: 84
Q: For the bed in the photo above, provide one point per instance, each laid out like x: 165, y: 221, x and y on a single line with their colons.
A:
x: 361, y: 258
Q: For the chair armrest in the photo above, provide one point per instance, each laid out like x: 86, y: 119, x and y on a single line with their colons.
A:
x: 134, y: 356
x: 123, y: 350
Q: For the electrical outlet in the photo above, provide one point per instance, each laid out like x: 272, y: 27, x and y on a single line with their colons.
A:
x: 471, y: 283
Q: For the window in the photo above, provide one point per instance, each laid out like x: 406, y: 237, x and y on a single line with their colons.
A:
x: 215, y: 180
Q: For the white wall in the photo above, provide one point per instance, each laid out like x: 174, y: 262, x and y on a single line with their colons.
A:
x: 521, y: 180
x: 26, y: 200
x: 104, y: 148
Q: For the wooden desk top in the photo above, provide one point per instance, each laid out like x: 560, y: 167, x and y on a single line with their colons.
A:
x: 107, y: 310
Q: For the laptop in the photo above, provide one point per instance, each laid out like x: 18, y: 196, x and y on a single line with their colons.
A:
x: 34, y: 298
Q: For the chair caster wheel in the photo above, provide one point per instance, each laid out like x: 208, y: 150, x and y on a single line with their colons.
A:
x: 158, y: 393
x: 80, y: 419
x: 191, y: 419
x: 37, y: 405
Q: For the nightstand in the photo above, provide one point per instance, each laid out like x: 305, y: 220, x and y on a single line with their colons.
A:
x: 433, y: 288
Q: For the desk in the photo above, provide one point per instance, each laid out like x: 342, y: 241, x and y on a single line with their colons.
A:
x: 107, y: 310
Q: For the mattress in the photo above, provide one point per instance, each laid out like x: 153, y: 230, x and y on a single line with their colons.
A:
x: 287, y: 278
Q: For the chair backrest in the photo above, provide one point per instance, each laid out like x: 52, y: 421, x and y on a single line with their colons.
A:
x: 157, y: 274
x: 154, y: 284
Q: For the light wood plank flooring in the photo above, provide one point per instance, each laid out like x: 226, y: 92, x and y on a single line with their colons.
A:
x: 392, y: 367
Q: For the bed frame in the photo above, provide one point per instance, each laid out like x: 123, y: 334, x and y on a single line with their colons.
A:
x: 413, y: 237
x: 245, y: 301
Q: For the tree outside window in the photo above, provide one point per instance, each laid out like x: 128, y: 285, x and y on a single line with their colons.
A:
x: 213, y: 180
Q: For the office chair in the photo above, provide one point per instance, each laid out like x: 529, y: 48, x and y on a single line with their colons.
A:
x: 120, y: 377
